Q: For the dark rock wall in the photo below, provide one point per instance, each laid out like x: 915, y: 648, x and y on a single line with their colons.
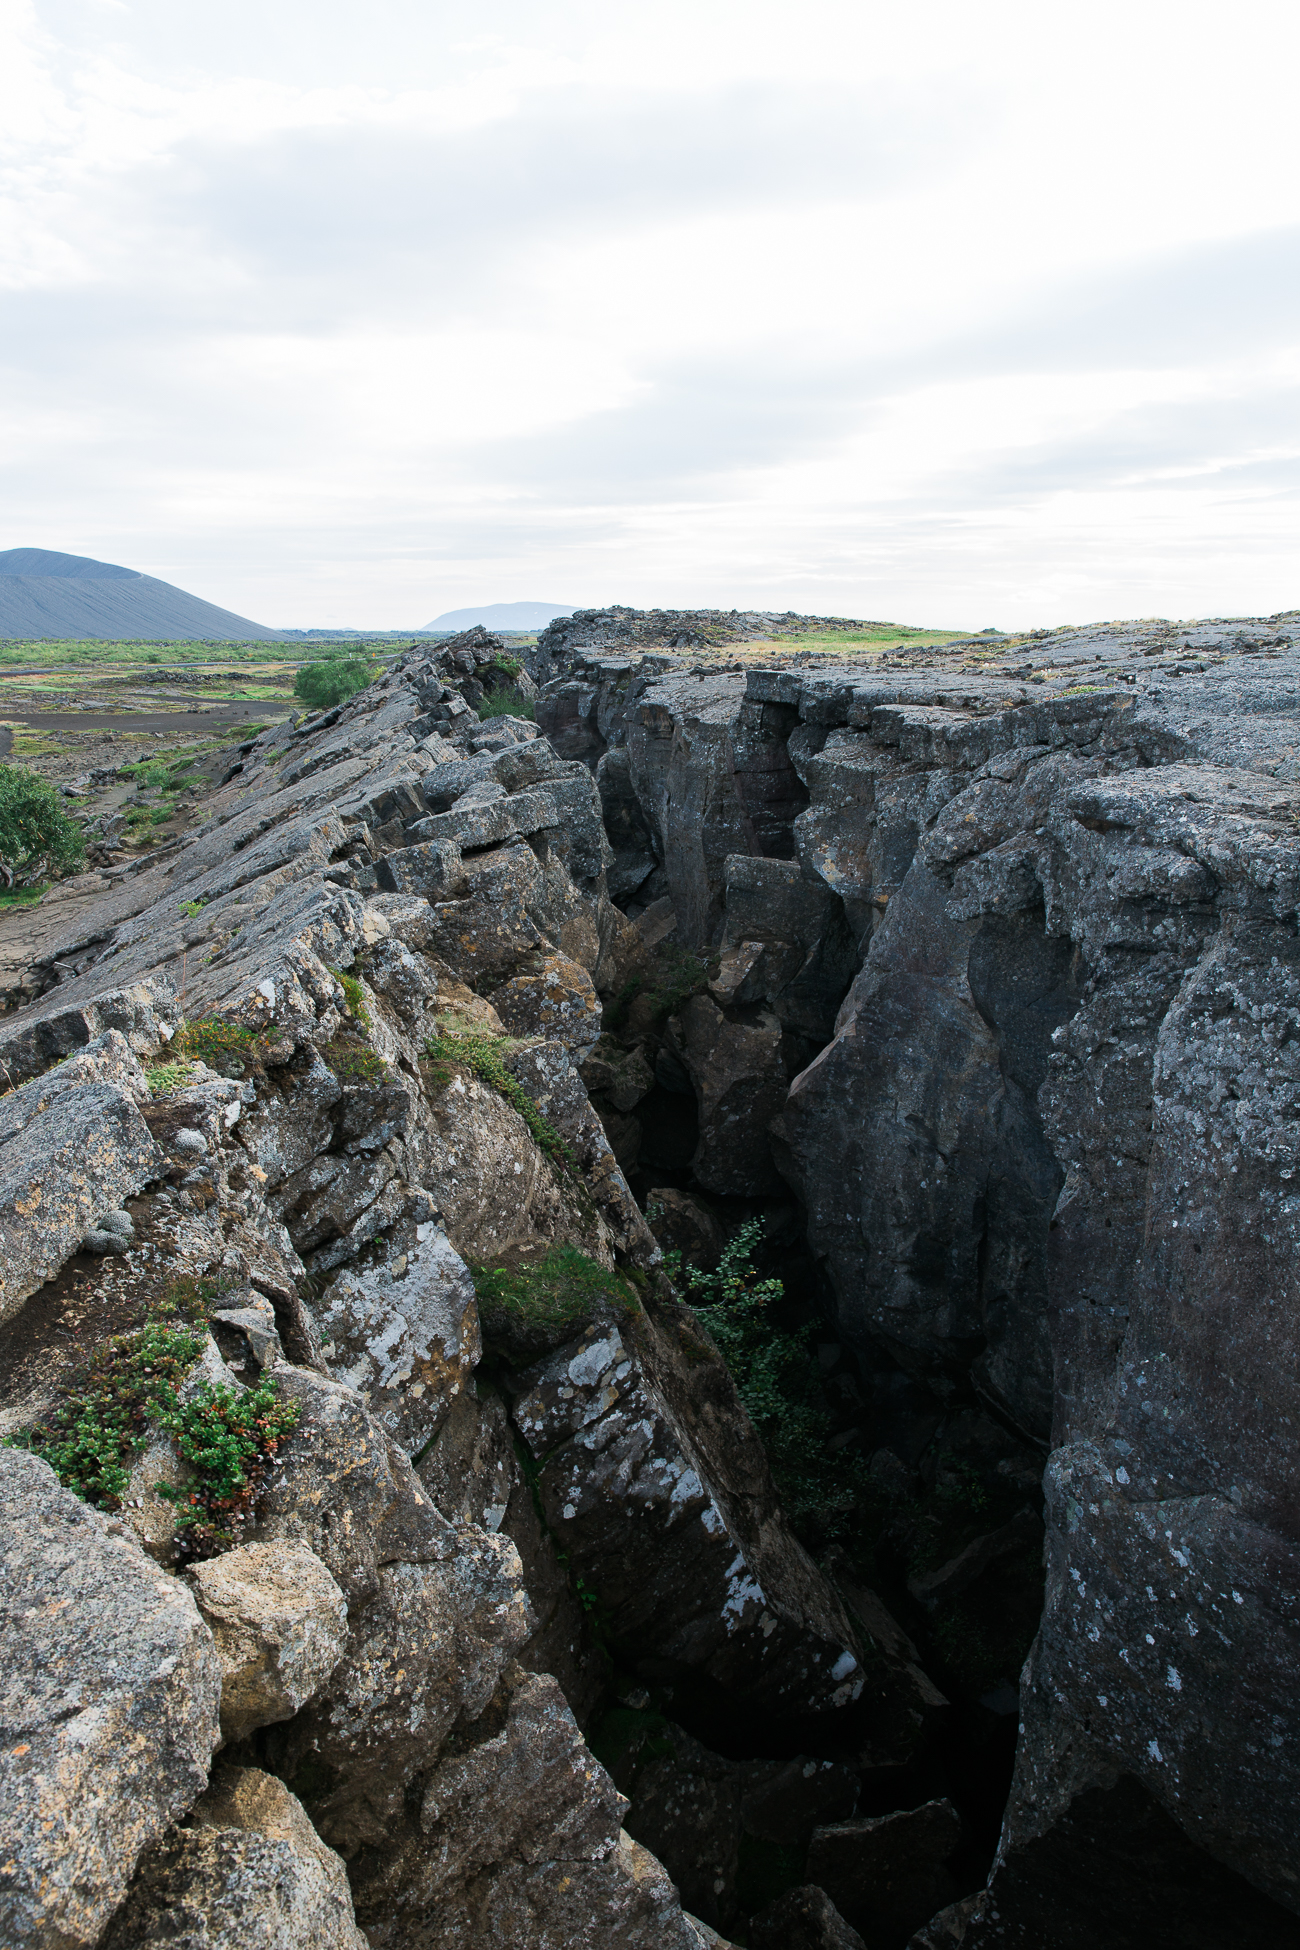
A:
x: 1048, y: 1148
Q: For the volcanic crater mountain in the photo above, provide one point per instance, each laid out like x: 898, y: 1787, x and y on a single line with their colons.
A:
x: 746, y: 1224
x: 47, y: 594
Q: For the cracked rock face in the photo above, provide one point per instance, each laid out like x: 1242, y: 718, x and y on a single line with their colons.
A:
x: 1047, y: 1147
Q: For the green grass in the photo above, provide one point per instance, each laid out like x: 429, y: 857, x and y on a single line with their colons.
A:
x: 353, y: 1061
x: 77, y: 653
x: 22, y: 896
x: 355, y: 997
x: 551, y: 1300
x: 506, y: 703
x: 163, y: 1077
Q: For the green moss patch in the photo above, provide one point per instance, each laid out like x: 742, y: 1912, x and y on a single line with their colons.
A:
x: 530, y: 1305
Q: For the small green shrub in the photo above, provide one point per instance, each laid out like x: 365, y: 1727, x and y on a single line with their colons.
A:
x: 481, y: 1053
x: 37, y: 838
x: 549, y: 1300
x: 776, y: 1380
x: 506, y: 703
x: 332, y: 682
x: 91, y: 1439
x: 192, y: 909
x: 230, y: 1438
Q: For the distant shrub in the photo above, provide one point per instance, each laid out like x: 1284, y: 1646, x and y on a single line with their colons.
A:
x: 506, y: 703
x: 37, y: 838
x: 332, y: 682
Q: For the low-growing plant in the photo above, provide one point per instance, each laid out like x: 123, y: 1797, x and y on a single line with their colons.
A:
x: 333, y: 681
x: 162, y: 1077
x: 91, y: 1439
x: 210, y: 1039
x: 506, y: 703
x: 37, y: 838
x: 192, y: 909
x: 230, y: 1438
x: 480, y: 1052
x: 353, y: 1061
x: 131, y: 1384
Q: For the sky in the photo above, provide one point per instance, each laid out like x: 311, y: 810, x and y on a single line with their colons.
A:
x: 969, y: 315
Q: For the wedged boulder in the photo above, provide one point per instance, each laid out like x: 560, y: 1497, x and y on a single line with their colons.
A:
x: 551, y: 996
x: 621, y: 1076
x: 423, y: 1658
x: 517, y: 1845
x: 740, y: 1084
x: 802, y: 1919
x: 279, y: 1622
x: 68, y: 1154
x: 248, y: 1873
x: 684, y: 1224
x: 701, y: 1814
x: 889, y: 1875
x: 404, y: 1331
x: 109, y: 1707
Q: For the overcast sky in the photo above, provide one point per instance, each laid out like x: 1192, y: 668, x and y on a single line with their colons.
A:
x: 960, y: 314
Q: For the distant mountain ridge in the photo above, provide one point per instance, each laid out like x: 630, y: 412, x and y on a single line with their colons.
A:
x: 46, y: 594
x: 501, y: 616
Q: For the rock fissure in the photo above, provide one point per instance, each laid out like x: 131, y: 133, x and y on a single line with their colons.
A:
x: 937, y: 1038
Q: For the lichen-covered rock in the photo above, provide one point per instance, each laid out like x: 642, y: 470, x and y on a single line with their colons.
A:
x: 517, y: 1845
x: 279, y: 1622
x: 684, y: 1545
x: 404, y: 1332
x: 69, y: 1152
x: 248, y: 1873
x: 109, y: 1706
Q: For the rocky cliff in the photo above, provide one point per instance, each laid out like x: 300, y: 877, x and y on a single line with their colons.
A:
x: 368, y: 1454
x: 1004, y: 987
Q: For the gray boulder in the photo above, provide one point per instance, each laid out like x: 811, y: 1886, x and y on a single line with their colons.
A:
x: 69, y: 1152
x: 518, y: 1845
x: 803, y: 1919
x: 108, y: 1715
x: 280, y: 1626
x: 248, y: 1873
